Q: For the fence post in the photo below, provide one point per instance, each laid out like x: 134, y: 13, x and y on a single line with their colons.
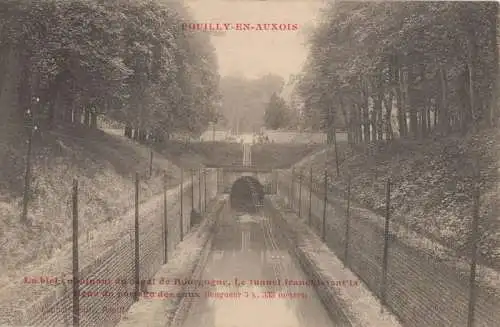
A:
x: 27, y: 174
x: 76, y: 270
x: 205, y: 184
x: 182, y: 197
x: 150, y: 163
x: 279, y: 182
x: 136, y: 227
x: 336, y: 152
x: 474, y: 240
x: 275, y: 184
x: 199, y: 189
x: 291, y: 188
x: 310, y: 194
x: 217, y: 178
x: 386, y: 245
x: 192, y: 189
x: 347, y: 222
x: 165, y: 223
x: 300, y: 193
x: 325, y: 199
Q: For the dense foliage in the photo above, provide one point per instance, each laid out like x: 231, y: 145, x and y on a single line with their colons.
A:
x: 244, y: 100
x: 403, y: 69
x: 277, y: 113
x: 128, y: 60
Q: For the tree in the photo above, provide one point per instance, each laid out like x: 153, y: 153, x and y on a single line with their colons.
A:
x: 433, y: 66
x: 127, y: 60
x: 246, y: 99
x: 277, y: 113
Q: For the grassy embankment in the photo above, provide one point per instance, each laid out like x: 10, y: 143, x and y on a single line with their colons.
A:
x: 105, y: 166
x: 431, y: 186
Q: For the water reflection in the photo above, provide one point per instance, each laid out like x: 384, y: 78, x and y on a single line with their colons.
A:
x: 245, y: 247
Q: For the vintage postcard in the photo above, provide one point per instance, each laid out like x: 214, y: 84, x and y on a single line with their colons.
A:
x: 249, y: 163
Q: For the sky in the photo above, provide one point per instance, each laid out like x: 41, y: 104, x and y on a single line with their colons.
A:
x: 253, y: 53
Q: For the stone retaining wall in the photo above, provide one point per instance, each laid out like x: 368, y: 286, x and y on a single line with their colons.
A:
x: 421, y: 290
x: 187, y: 263
x: 347, y: 307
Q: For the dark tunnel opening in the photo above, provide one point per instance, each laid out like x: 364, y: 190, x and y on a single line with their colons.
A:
x: 247, y: 195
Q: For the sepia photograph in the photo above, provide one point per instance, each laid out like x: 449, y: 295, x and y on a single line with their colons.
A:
x: 249, y: 163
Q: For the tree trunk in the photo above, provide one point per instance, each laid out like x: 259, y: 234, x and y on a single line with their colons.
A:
x: 380, y: 120
x: 350, y: 140
x: 86, y: 117
x: 366, y: 124
x: 429, y: 119
x: 495, y: 99
x: 359, y: 125
x: 355, y: 124
x: 73, y: 114
x: 142, y: 136
x: 347, y: 120
x: 93, y: 119
x: 436, y: 114
x: 425, y: 120
x: 377, y: 109
x: 70, y: 102
x: 411, y: 105
x: 67, y: 108
x: 77, y: 114
x: 471, y: 116
x: 373, y: 123
x: 365, y: 112
x: 444, y: 117
x: 58, y: 104
x: 329, y: 127
x: 400, y: 104
x: 389, y: 134
x: 128, y: 131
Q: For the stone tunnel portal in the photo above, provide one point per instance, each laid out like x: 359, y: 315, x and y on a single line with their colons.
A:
x: 247, y: 195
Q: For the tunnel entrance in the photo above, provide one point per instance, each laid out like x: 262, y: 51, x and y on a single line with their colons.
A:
x: 247, y: 195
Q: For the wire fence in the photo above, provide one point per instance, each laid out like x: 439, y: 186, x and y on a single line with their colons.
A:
x: 112, y: 266
x: 101, y: 277
x: 415, y: 285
